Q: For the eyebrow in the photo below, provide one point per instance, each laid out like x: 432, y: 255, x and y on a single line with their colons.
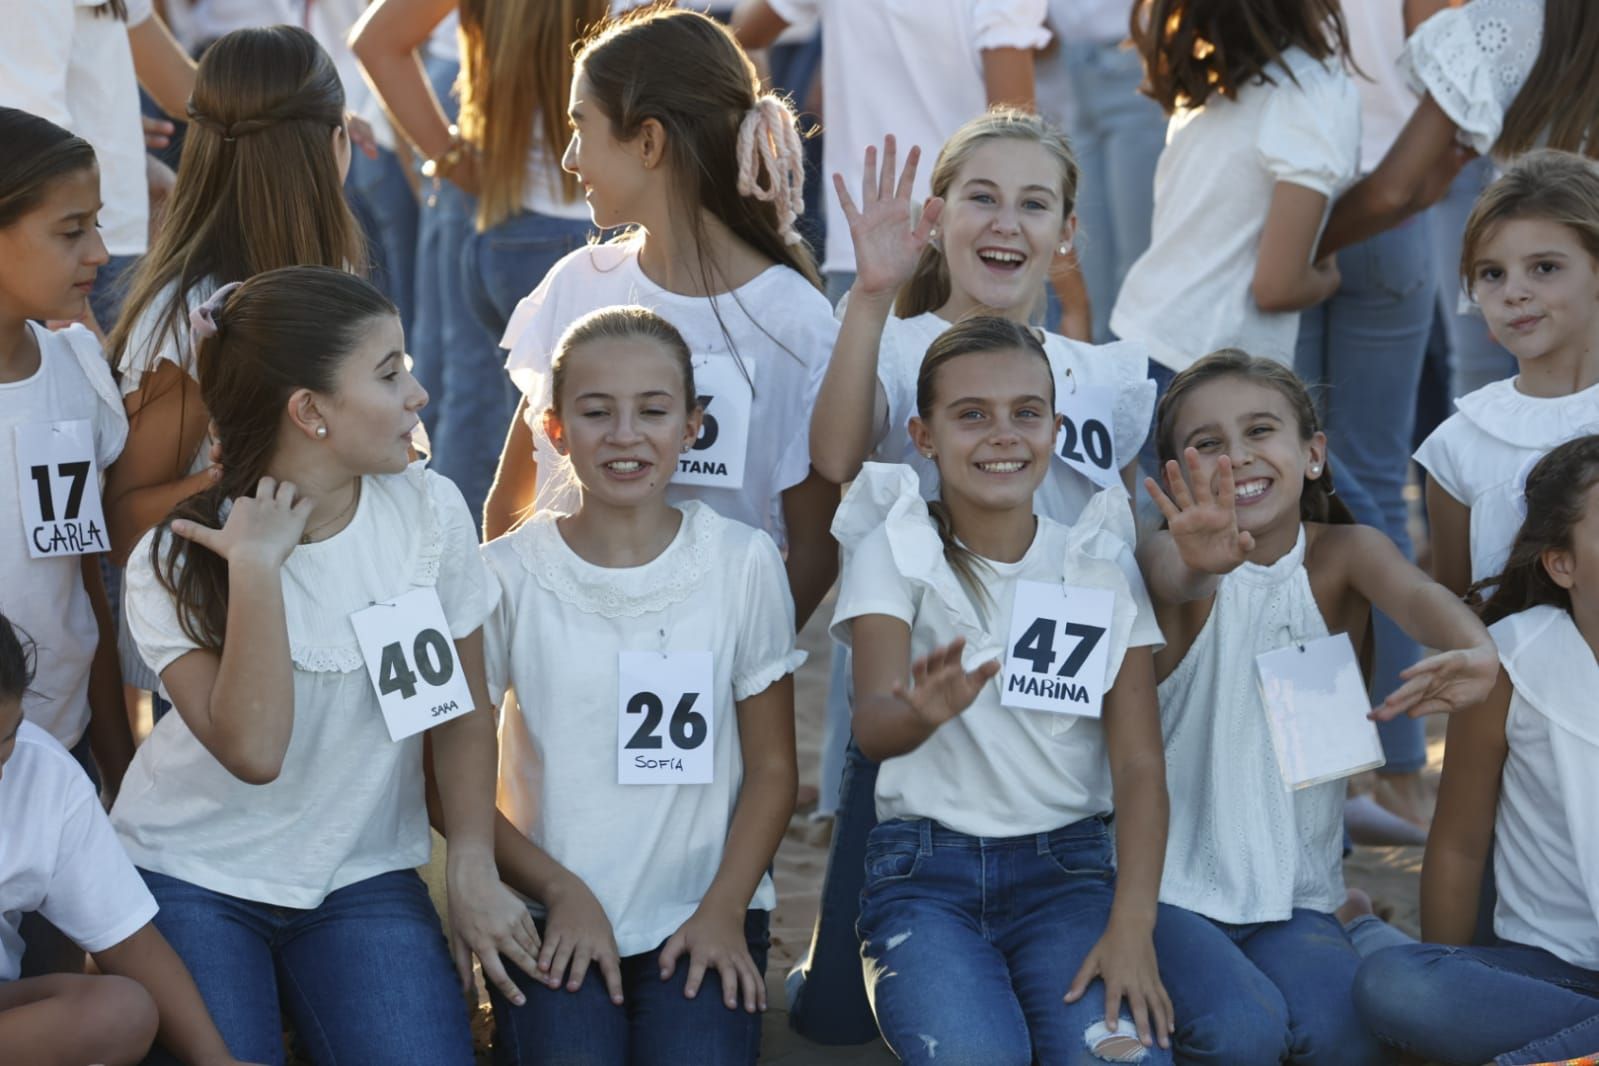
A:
x: 1212, y: 427
x: 396, y: 354
x: 1045, y: 189
x: 647, y: 394
x: 984, y: 402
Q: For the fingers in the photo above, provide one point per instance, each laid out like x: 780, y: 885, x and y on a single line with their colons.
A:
x: 908, y: 178
x: 1168, y: 510
x: 885, y: 180
x: 580, y: 968
x: 204, y: 536
x: 869, y: 177
x: 1164, y: 1017
x: 1226, y: 486
x: 671, y: 953
x: 1181, y: 496
x: 932, y: 211
x: 750, y: 984
x: 611, y: 969
x: 696, y: 977
x: 1197, y: 482
x: 1113, y: 1006
x: 462, y: 956
x: 494, y: 973
x: 1246, y: 542
x: 1141, y: 1022
x: 852, y: 213
x: 1085, y: 974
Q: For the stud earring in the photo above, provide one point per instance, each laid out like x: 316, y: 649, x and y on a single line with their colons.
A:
x: 1065, y: 246
x: 321, y: 432
x: 1315, y: 470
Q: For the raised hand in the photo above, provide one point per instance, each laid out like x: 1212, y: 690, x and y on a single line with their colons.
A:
x: 1203, y: 525
x: 887, y: 230
x: 261, y: 529
x: 941, y: 687
x: 1443, y: 683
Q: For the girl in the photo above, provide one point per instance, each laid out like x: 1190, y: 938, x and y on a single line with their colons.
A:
x: 992, y: 905
x: 1516, y: 782
x: 62, y: 859
x: 1530, y: 260
x: 671, y: 135
x: 649, y: 850
x: 1265, y: 132
x: 275, y: 821
x: 60, y: 410
x: 1253, y: 865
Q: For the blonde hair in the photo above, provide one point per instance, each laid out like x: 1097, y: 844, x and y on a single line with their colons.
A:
x: 516, y: 62
x: 929, y: 287
x: 1546, y: 184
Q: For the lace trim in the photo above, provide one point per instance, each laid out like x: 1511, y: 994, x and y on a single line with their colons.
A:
x: 1474, y: 60
x: 622, y: 593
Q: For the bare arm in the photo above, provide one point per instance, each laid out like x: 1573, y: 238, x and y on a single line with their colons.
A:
x: 1461, y: 840
x: 186, y: 1027
x: 110, y: 736
x: 386, y: 40
x: 1008, y: 77
x: 166, y: 424
x: 515, y: 487
x: 162, y: 66
x: 756, y: 25
x: 899, y: 704
x: 1287, y: 276
x: 1449, y: 534
x: 812, y: 560
x: 1076, y: 309
x: 1419, y: 11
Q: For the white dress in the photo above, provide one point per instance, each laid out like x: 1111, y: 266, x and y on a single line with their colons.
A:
x: 1473, y: 60
x: 992, y: 771
x: 1481, y: 455
x: 1546, y: 832
x: 647, y: 852
x: 348, y: 803
x: 1241, y: 847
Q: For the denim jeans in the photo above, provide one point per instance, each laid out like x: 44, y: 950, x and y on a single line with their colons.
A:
x: 1365, y: 348
x: 1260, y: 994
x: 1117, y: 134
x: 1511, y: 1004
x: 835, y: 731
x: 503, y: 264
x: 365, y: 977
x: 970, y: 943
x: 656, y: 1025
x: 381, y: 198
x: 1475, y: 357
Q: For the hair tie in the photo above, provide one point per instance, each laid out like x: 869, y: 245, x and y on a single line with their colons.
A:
x: 203, y: 319
x: 767, y: 135
x: 230, y: 132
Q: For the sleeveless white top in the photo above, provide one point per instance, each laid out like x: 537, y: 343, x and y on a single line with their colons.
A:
x: 1241, y: 847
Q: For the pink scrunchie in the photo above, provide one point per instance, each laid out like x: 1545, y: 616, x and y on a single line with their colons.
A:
x: 203, y: 319
x: 767, y: 134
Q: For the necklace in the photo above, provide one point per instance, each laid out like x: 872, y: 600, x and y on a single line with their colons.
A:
x: 355, y: 497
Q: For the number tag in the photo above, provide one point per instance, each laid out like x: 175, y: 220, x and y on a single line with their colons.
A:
x: 1316, y: 706
x: 1058, y: 653
x: 1087, y: 442
x: 411, y: 660
x: 59, y: 487
x: 726, y: 399
x: 664, y: 709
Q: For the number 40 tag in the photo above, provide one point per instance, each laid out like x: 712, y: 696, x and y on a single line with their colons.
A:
x: 1056, y: 657
x: 411, y: 660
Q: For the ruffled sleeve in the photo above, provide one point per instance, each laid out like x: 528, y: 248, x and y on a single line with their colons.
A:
x: 110, y: 417
x: 1134, y: 408
x: 766, y: 652
x: 542, y: 316
x: 1310, y: 128
x: 1011, y: 24
x: 1473, y: 60
x: 153, y: 340
x: 465, y: 585
x: 152, y: 613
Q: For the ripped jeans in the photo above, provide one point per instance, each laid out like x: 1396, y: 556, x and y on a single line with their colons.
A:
x: 970, y: 943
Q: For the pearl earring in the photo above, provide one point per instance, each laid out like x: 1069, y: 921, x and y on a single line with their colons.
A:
x: 321, y: 432
x: 1315, y: 471
x: 1065, y: 246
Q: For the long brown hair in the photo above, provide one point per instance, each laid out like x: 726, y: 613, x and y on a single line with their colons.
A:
x: 1556, y: 496
x: 973, y: 335
x: 38, y: 153
x: 1318, y: 502
x: 929, y: 287
x: 516, y: 63
x: 1544, y: 184
x: 280, y: 331
x: 258, y: 183
x: 1558, y: 105
x: 1193, y: 49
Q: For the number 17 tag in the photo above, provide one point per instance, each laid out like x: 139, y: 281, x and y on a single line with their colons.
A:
x: 1057, y: 652
x: 59, y: 489
x: 411, y: 660
x: 664, y: 713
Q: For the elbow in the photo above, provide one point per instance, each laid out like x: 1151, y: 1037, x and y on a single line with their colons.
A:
x: 1272, y: 294
x: 256, y: 770
x: 838, y: 469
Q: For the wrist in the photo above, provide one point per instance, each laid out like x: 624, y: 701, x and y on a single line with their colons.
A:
x: 450, y: 158
x: 876, y: 299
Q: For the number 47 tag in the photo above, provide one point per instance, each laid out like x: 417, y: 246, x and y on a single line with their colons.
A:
x: 1057, y: 655
x: 411, y: 660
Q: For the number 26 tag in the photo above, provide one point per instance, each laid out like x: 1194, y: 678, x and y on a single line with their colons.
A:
x: 664, y: 712
x: 411, y: 661
x: 1087, y: 440
x: 1057, y: 654
x: 59, y: 489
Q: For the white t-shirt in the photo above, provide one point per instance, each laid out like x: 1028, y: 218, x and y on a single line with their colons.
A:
x: 330, y: 22
x: 1546, y: 831
x: 61, y: 857
x: 45, y: 597
x: 992, y: 771
x: 1376, y: 42
x: 781, y: 330
x: 348, y: 803
x: 1121, y: 367
x: 647, y: 852
x: 1473, y: 60
x: 1482, y: 454
x: 1189, y: 293
x: 912, y: 68
x: 63, y: 62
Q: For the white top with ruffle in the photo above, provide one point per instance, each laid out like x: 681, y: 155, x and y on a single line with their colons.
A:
x: 1473, y: 61
x: 647, y: 852
x: 1482, y: 454
x: 991, y: 771
x: 348, y: 803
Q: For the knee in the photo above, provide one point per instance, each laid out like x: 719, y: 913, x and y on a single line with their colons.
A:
x: 1248, y: 1028
x: 1394, y: 984
x: 120, y: 1013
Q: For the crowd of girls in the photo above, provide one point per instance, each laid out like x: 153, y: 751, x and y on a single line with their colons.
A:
x: 1104, y: 622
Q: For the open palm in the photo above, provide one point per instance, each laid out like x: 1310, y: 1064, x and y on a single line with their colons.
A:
x: 941, y: 687
x: 1203, y: 524
x: 887, y: 230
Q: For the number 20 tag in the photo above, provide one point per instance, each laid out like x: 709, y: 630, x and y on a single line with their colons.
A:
x: 664, y: 713
x: 1057, y: 655
x: 411, y: 661
x: 59, y: 489
x: 1087, y: 441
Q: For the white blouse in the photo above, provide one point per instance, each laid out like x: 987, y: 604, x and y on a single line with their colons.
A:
x: 1241, y: 847
x: 1122, y: 367
x: 1473, y: 60
x: 1481, y: 455
x: 647, y: 852
x: 1546, y: 831
x: 348, y: 803
x: 992, y: 771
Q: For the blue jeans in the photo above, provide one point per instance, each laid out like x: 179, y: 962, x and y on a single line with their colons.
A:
x: 1476, y: 359
x: 381, y: 198
x: 366, y: 977
x: 656, y: 1025
x: 1257, y: 995
x: 110, y: 289
x: 1367, y: 346
x: 970, y: 943
x: 503, y: 264
x: 1117, y: 134
x: 1511, y: 1004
